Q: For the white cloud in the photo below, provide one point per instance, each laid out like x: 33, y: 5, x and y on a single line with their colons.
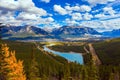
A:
x: 85, y: 8
x: 7, y: 19
x: 49, y: 19
x: 76, y: 8
x: 100, y: 15
x: 27, y: 16
x: 40, y: 20
x: 30, y: 14
x: 71, y: 22
x: 52, y: 26
x: 68, y: 8
x: 21, y: 5
x: 87, y: 16
x: 94, y: 2
x: 60, y: 10
x: 105, y: 25
x: 46, y: 1
x: 76, y: 16
x: 109, y: 10
x: 107, y: 13
x: 73, y: 8
x: 82, y: 8
x: 8, y: 4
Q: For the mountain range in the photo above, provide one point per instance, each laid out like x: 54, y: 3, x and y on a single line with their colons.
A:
x: 74, y: 30
x: 64, y: 32
x: 23, y: 29
x: 113, y: 33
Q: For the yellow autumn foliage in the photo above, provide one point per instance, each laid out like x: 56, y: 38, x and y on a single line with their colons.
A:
x: 10, y: 68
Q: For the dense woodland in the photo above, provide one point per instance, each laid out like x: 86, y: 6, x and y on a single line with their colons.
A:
x: 69, y: 46
x: 41, y: 65
x: 109, y: 51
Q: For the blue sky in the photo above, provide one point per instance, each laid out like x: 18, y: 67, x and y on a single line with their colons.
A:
x: 99, y: 14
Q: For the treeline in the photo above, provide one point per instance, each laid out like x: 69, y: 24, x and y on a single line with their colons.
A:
x: 41, y: 65
x: 108, y: 51
x: 102, y: 72
x: 68, y: 48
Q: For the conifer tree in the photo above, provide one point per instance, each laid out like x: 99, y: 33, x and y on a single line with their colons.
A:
x: 111, y: 77
x: 10, y: 68
x: 33, y: 68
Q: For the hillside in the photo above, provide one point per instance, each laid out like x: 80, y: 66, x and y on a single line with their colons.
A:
x: 53, y: 67
x: 109, y: 51
x: 24, y: 51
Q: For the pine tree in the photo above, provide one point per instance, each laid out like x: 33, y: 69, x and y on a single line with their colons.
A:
x: 111, y: 76
x: 33, y: 68
x: 67, y: 71
x: 10, y: 68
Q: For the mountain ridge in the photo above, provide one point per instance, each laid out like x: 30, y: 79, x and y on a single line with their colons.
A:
x: 113, y: 33
x: 33, y: 32
x: 74, y: 30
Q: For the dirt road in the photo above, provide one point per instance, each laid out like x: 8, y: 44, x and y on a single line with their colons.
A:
x: 94, y: 55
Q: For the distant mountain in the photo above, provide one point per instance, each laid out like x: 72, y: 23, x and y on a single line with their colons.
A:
x: 113, y: 33
x: 75, y: 31
x: 22, y: 31
x: 63, y: 33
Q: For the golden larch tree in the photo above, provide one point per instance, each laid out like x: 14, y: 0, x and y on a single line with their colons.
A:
x: 10, y: 68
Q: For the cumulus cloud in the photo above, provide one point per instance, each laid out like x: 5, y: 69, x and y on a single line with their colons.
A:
x: 73, y: 8
x: 100, y: 15
x: 71, y: 22
x: 46, y: 1
x: 40, y: 20
x: 76, y: 16
x: 8, y: 19
x: 82, y: 8
x: 29, y: 13
x: 8, y: 5
x: 107, y: 13
x: 53, y: 25
x: 27, y: 16
x: 109, y: 10
x: 60, y: 10
x: 103, y: 25
x: 94, y: 2
x: 21, y: 5
x: 49, y: 19
x: 70, y: 9
x: 85, y: 8
x: 87, y: 16
x: 76, y: 13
